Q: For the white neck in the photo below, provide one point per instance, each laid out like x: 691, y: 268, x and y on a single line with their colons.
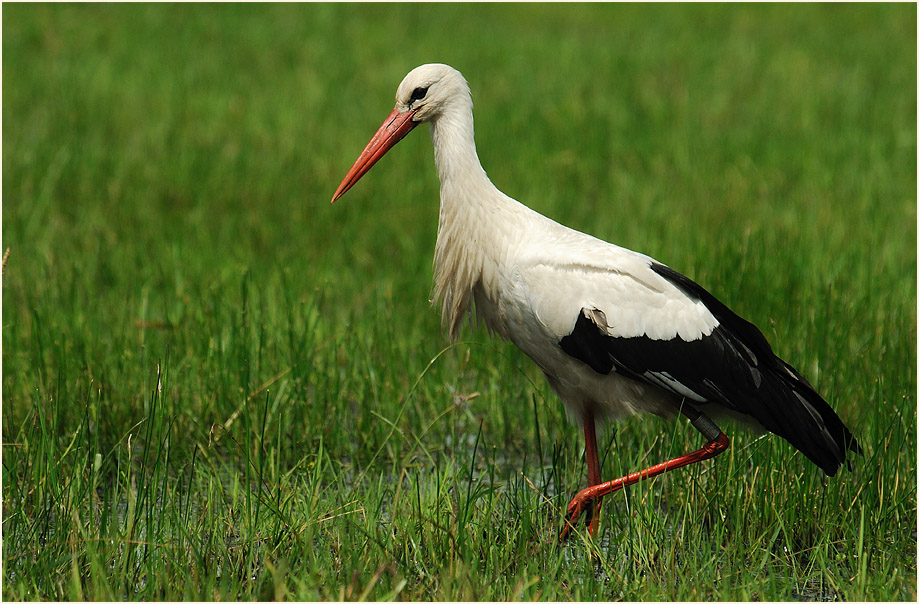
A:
x: 464, y: 234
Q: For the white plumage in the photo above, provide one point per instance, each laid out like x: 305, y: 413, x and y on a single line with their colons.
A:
x: 614, y: 331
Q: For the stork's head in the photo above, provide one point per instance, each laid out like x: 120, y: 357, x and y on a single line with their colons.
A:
x: 423, y: 96
x: 427, y: 90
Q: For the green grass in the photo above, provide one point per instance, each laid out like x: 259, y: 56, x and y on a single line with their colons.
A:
x: 217, y: 386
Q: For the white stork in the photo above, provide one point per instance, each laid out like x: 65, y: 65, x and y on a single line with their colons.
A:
x: 614, y: 331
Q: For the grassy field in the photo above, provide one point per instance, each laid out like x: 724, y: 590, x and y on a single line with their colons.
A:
x: 218, y: 386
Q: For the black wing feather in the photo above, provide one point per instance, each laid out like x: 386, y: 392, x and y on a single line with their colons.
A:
x: 734, y: 367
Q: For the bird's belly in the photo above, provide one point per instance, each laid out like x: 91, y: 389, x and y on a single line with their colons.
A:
x: 610, y: 396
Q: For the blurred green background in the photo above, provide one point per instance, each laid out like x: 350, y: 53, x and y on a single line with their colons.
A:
x: 181, y: 301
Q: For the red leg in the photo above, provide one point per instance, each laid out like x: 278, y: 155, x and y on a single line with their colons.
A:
x: 593, y: 467
x: 585, y: 500
x: 593, y: 472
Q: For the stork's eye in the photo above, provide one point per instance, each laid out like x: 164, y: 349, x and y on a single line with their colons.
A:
x: 419, y: 93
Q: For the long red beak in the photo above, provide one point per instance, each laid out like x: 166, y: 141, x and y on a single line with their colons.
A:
x: 393, y: 130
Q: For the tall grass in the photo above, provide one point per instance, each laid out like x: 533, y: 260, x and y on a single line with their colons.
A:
x: 217, y: 386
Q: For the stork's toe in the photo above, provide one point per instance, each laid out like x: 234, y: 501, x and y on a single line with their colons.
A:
x: 582, y: 503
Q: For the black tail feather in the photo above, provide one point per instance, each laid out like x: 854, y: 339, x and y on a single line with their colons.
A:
x: 809, y: 423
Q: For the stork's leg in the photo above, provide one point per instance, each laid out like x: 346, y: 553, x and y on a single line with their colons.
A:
x: 593, y: 468
x: 589, y: 498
